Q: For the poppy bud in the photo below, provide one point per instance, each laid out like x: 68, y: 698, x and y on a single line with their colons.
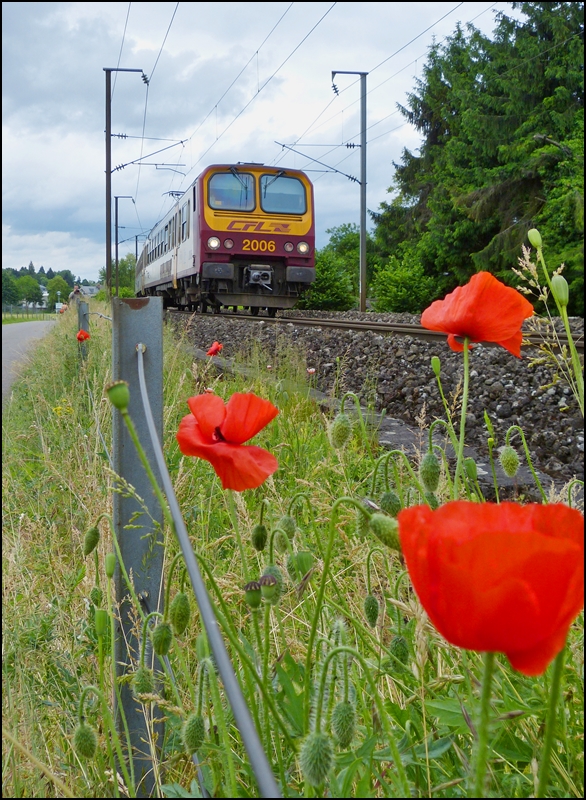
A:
x: 436, y: 366
x: 386, y: 529
x: 96, y: 596
x: 180, y: 613
x: 193, y: 733
x: 268, y: 586
x: 344, y: 722
x: 316, y: 758
x: 281, y: 541
x: 431, y: 500
x: 400, y: 649
x: 362, y: 521
x: 535, y: 238
x: 85, y: 741
x: 371, y: 609
x: 142, y: 682
x: 509, y: 460
x: 162, y: 638
x: 471, y: 468
x: 252, y: 594
x: 429, y: 471
x: 91, y: 540
x: 259, y: 537
x: 119, y: 394
x: 273, y: 570
x: 110, y: 564
x: 101, y: 621
x: 287, y: 523
x: 560, y: 290
x: 340, y: 430
x: 390, y: 503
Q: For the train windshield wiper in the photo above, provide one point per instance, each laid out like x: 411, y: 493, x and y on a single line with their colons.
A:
x: 273, y: 179
x: 239, y: 178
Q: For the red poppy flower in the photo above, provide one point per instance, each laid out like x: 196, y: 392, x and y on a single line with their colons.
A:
x: 501, y: 578
x: 214, y: 349
x: 82, y: 336
x: 217, y: 431
x: 485, y: 310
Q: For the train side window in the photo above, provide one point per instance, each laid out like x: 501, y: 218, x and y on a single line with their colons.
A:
x: 280, y: 194
x: 188, y: 216
x: 231, y: 191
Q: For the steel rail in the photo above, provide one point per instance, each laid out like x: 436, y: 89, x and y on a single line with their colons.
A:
x: 376, y: 326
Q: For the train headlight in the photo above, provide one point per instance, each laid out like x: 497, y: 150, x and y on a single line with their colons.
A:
x: 303, y: 248
x: 213, y: 243
x: 288, y: 247
x: 228, y: 244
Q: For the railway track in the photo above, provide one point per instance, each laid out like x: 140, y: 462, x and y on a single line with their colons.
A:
x: 390, y: 328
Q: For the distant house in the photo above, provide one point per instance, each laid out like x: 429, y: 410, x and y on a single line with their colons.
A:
x: 90, y: 291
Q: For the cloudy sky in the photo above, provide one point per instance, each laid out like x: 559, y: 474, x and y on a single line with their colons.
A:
x: 228, y: 82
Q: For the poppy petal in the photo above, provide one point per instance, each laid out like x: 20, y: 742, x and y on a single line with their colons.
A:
x: 190, y: 438
x: 246, y: 415
x: 210, y: 411
x: 484, y: 310
x: 241, y: 467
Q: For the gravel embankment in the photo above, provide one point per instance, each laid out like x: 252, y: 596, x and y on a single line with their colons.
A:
x: 394, y: 373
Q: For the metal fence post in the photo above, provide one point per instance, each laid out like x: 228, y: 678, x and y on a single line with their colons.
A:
x: 134, y: 321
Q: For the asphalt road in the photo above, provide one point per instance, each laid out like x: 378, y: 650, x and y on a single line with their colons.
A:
x: 17, y: 339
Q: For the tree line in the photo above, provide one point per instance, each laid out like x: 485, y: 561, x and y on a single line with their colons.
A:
x: 502, y: 151
x: 26, y: 285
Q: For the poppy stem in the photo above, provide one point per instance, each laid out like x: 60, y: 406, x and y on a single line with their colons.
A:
x: 460, y: 453
x: 234, y: 518
x: 482, y: 743
x: 554, y: 693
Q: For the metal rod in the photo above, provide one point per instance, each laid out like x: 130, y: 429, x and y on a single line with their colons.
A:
x: 258, y: 759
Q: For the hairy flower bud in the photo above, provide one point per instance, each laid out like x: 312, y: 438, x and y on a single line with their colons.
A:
x: 371, y: 609
x: 316, y: 758
x: 193, y: 733
x: 143, y: 682
x: 436, y: 366
x: 180, y: 613
x: 101, y: 621
x: 340, y: 430
x: 390, y: 503
x: 535, y: 238
x: 91, y: 540
x: 259, y: 537
x: 162, y: 638
x: 429, y: 471
x: 560, y: 290
x: 110, y: 564
x: 386, y: 529
x: 509, y: 460
x: 287, y: 523
x: 119, y: 394
x: 344, y: 722
x: 85, y: 741
x: 431, y: 500
x: 400, y: 650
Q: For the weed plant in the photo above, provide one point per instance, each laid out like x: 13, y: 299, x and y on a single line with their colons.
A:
x: 378, y: 680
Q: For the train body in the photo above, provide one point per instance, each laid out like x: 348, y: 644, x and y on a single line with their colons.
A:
x: 241, y: 235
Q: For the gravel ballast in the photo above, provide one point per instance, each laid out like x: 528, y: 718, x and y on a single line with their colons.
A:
x: 394, y: 373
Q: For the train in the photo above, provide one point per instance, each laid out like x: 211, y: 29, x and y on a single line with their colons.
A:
x: 241, y: 236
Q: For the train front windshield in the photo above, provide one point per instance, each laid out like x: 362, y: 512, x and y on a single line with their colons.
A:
x: 282, y: 195
x: 232, y: 191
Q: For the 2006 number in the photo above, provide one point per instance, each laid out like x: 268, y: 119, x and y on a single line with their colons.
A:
x: 257, y: 245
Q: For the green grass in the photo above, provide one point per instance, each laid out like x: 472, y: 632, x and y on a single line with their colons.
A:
x: 10, y: 318
x: 56, y: 483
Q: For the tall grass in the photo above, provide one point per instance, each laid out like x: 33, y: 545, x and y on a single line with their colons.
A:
x: 57, y: 482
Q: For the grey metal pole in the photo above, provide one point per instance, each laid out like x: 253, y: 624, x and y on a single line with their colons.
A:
x: 363, y: 191
x: 116, y: 224
x: 141, y: 547
x: 108, y: 182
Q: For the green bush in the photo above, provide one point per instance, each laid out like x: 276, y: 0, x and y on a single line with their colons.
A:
x: 402, y: 286
x: 332, y: 289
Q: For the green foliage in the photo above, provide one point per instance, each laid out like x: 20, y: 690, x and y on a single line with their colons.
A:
x: 402, y: 286
x: 501, y: 122
x: 126, y: 275
x: 29, y: 290
x: 54, y: 285
x: 332, y: 289
x: 9, y: 288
